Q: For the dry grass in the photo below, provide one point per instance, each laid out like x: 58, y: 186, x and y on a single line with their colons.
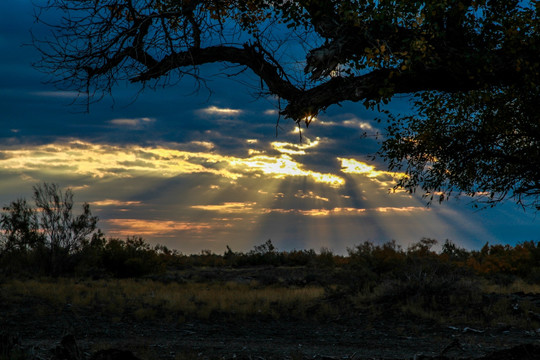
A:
x: 479, y: 302
x: 148, y: 299
x: 517, y: 286
x: 145, y: 299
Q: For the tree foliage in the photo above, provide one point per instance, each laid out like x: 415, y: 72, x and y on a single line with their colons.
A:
x: 471, y: 67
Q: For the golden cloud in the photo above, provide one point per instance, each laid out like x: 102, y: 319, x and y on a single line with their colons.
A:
x: 295, y: 149
x: 350, y: 211
x: 111, y: 202
x: 228, y: 207
x: 250, y: 207
x: 283, y: 166
x: 214, y: 110
x: 309, y: 195
x: 406, y: 209
x: 139, y: 227
x: 353, y: 166
x: 82, y: 158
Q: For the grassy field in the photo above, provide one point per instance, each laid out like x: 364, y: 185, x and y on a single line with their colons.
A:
x: 462, y: 301
x: 213, y: 312
x: 146, y: 299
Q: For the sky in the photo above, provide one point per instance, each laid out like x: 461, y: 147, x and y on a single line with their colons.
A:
x: 206, y: 170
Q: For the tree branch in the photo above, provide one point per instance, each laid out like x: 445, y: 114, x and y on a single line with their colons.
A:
x: 249, y: 56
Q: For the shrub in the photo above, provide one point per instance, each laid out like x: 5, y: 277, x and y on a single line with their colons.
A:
x: 130, y: 258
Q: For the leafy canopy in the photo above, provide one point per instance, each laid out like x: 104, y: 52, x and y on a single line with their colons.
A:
x: 471, y: 67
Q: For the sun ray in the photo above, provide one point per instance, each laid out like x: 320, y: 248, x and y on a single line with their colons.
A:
x: 201, y: 194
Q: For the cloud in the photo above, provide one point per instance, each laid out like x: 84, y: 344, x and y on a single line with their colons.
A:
x: 309, y: 195
x: 295, y: 149
x: 405, y: 209
x: 357, y: 123
x: 284, y: 166
x: 28, y: 179
x: 228, y: 207
x: 79, y: 158
x: 204, y: 144
x: 353, y: 166
x: 79, y: 187
x: 251, y: 208
x: 4, y: 155
x: 103, y: 160
x: 162, y: 228
x: 111, y: 202
x: 352, y: 123
x: 351, y: 211
x: 214, y: 110
x: 132, y: 122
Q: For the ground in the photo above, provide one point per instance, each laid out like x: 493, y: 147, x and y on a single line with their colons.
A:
x: 358, y: 337
x: 352, y: 333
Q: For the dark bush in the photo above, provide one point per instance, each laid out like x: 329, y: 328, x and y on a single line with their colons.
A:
x: 130, y: 258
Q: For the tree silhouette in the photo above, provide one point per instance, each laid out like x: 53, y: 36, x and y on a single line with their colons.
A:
x: 49, y: 228
x: 471, y: 66
x: 63, y: 230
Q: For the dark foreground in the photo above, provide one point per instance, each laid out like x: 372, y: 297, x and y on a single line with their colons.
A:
x: 28, y: 335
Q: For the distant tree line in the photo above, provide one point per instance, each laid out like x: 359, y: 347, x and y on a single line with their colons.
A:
x: 46, y: 238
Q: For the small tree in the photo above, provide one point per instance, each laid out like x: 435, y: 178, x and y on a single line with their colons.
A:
x: 49, y: 228
x: 64, y: 232
x: 61, y: 227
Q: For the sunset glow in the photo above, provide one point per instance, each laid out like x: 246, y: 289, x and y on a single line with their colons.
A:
x: 166, y: 228
x: 198, y: 170
x: 100, y: 161
x: 249, y: 188
x: 353, y: 166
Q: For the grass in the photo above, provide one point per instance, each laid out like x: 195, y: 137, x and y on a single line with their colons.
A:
x: 149, y: 299
x: 472, y: 301
x: 468, y: 302
x: 518, y: 285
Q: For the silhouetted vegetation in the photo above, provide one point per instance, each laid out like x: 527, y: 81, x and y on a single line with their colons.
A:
x: 47, y: 238
x: 439, y: 283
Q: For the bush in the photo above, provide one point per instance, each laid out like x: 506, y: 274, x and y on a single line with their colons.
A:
x: 130, y: 258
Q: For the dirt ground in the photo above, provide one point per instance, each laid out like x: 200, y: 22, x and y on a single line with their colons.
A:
x: 358, y: 337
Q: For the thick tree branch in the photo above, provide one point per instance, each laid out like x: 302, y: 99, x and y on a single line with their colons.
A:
x: 301, y: 103
x: 250, y: 56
